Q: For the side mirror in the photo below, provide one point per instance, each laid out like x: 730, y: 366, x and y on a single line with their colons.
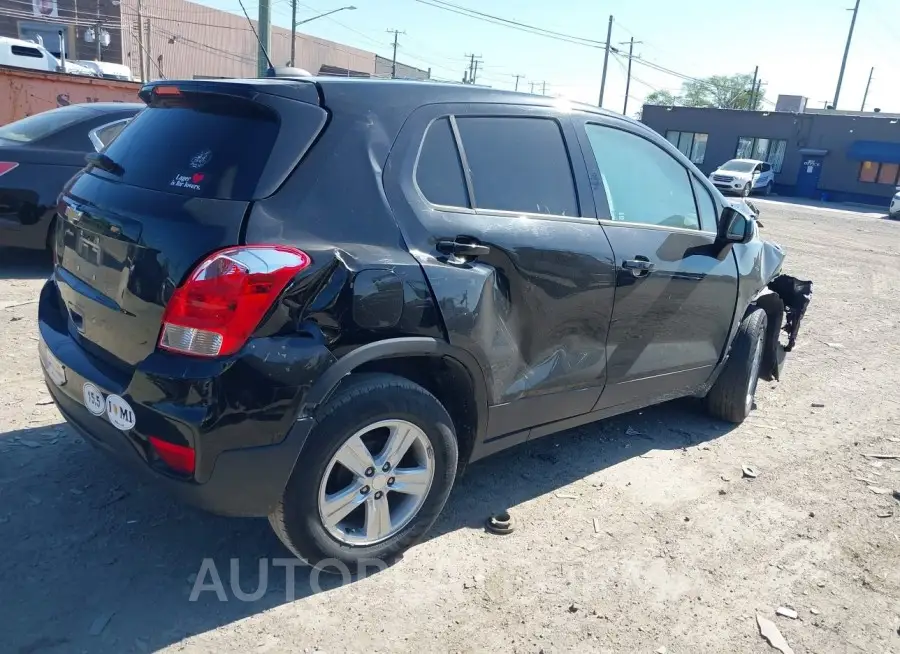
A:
x: 735, y: 227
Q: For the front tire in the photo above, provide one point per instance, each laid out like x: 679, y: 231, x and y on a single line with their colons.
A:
x: 373, y: 477
x: 731, y: 397
x: 745, y: 192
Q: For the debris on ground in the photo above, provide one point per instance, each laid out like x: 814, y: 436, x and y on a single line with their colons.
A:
x: 814, y: 611
x: 574, y: 608
x: 566, y: 496
x: 866, y: 480
x: 596, y: 525
x: 501, y: 523
x: 886, y: 514
x: 726, y: 478
x: 836, y: 346
x: 12, y: 305
x: 817, y: 405
x: 786, y: 612
x: 749, y: 472
x: 100, y: 623
x: 881, y: 455
x: 769, y: 631
x: 661, y: 650
x: 879, y: 490
x: 44, y: 403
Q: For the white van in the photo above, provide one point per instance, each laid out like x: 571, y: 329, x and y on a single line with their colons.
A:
x: 26, y: 54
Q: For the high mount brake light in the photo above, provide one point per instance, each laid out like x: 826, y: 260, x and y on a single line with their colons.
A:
x: 226, y: 296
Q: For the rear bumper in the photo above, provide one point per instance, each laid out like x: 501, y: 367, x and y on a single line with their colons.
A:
x: 241, y: 416
x: 247, y: 482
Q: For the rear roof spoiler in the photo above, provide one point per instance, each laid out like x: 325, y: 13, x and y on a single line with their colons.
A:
x: 297, y: 89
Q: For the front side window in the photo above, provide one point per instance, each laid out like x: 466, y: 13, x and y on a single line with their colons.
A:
x: 643, y: 183
x: 439, y: 172
x: 518, y: 164
x: 762, y: 149
x: 691, y: 144
x: 872, y: 172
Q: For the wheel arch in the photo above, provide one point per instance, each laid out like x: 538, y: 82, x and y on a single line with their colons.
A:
x: 449, y: 373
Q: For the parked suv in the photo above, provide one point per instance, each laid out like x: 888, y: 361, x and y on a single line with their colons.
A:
x: 744, y: 176
x: 317, y: 300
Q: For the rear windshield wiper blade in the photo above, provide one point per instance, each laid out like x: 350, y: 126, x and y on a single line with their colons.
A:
x: 103, y: 162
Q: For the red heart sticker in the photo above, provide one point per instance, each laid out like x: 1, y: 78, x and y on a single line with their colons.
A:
x: 197, y: 178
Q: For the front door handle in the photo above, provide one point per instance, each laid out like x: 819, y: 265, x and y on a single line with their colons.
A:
x: 463, y: 248
x: 640, y: 266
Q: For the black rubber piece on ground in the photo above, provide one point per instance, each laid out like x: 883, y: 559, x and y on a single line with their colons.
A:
x: 727, y: 399
x: 500, y: 524
x: 363, y: 400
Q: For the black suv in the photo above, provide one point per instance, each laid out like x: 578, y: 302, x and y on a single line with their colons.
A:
x: 317, y: 299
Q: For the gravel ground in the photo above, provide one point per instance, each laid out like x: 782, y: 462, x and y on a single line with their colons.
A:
x: 625, y: 543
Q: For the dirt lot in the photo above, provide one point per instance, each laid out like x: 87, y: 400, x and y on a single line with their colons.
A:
x: 626, y: 543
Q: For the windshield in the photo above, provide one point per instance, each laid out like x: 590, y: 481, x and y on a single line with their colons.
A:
x: 38, y: 126
x: 738, y: 166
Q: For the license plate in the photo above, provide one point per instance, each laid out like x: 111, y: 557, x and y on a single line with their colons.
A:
x: 56, y: 371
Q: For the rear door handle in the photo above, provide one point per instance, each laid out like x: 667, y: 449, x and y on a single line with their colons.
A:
x: 463, y: 248
x: 640, y: 266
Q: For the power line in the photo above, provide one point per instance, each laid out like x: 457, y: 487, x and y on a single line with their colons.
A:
x: 511, y: 24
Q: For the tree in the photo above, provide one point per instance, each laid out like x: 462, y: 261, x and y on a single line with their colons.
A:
x: 662, y: 98
x: 718, y: 91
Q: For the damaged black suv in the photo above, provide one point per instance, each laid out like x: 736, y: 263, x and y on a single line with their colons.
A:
x: 317, y: 300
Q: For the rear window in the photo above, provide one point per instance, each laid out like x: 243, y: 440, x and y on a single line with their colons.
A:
x: 205, y: 146
x: 38, y: 126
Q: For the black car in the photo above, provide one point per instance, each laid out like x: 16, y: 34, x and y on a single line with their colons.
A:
x: 39, y: 154
x: 317, y: 300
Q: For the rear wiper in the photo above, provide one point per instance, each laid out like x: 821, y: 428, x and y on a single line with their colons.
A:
x: 103, y: 162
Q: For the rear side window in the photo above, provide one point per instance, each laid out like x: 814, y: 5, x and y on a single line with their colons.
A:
x: 439, y: 172
x: 519, y: 164
x: 200, y: 146
x: 39, y: 126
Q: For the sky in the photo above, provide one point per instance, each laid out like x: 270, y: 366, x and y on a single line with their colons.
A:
x: 797, y: 44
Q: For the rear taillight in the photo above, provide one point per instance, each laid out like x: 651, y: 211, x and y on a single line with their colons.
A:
x: 225, y: 297
x: 178, y: 457
x: 6, y: 166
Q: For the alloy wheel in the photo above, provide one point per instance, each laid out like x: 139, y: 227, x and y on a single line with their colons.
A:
x: 376, y: 482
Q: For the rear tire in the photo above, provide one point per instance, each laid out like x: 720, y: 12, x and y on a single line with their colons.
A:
x: 362, y: 403
x: 768, y: 191
x: 731, y: 397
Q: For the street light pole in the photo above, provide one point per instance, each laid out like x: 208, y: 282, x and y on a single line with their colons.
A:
x: 837, y: 92
x: 295, y: 24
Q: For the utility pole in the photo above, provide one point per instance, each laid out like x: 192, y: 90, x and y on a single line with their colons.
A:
x: 294, y: 31
x: 140, y: 38
x: 866, y: 94
x: 605, y: 61
x: 532, y: 87
x: 394, y: 60
x: 628, y: 79
x: 265, y: 37
x: 544, y: 88
x: 149, y: 58
x: 97, y: 29
x: 757, y: 98
x: 837, y: 92
x: 473, y: 66
x: 751, y: 105
x: 517, y: 81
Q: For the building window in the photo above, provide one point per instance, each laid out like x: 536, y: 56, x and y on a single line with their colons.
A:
x: 769, y: 150
x: 872, y: 172
x: 691, y: 144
